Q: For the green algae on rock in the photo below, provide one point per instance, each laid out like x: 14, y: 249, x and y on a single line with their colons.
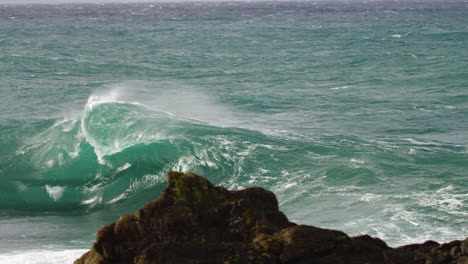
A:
x: 196, y: 222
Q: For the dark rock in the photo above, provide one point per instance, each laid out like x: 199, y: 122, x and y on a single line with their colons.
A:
x: 464, y: 247
x: 194, y: 222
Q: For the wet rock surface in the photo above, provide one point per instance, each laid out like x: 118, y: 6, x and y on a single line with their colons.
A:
x: 194, y: 222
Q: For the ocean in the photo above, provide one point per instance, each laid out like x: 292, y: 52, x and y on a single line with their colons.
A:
x: 355, y: 114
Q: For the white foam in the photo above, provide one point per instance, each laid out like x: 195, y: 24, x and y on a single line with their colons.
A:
x: 342, y: 87
x: 118, y: 198
x: 396, y: 36
x: 367, y: 197
x: 55, y: 192
x: 445, y: 199
x: 183, y: 164
x: 357, y: 161
x: 42, y: 256
x: 124, y: 167
x: 145, y: 182
x: 420, y: 143
x: 68, y: 126
x: 92, y: 201
x: 401, y: 214
x: 286, y: 186
x: 50, y: 163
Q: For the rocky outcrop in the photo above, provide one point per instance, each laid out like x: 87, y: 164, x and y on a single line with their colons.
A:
x: 194, y: 222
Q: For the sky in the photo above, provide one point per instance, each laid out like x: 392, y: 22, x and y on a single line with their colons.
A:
x: 125, y: 1
x: 139, y: 1
x: 73, y: 1
x: 93, y: 1
x: 112, y: 1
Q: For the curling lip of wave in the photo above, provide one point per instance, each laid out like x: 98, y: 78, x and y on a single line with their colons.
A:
x: 101, y: 150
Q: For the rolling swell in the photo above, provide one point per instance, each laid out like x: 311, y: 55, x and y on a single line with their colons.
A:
x: 112, y: 159
x: 112, y: 154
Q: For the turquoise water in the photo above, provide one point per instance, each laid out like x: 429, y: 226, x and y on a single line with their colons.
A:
x: 355, y: 114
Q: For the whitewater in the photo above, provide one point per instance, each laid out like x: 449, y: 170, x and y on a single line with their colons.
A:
x: 353, y: 113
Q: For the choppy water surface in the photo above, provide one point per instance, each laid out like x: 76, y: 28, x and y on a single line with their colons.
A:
x: 354, y: 114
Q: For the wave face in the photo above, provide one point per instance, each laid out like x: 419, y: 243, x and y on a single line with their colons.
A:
x: 112, y: 158
x: 113, y: 152
x: 353, y: 114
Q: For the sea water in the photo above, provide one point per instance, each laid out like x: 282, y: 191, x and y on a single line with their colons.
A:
x: 354, y: 113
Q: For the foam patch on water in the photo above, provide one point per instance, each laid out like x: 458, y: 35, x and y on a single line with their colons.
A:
x: 93, y: 201
x: 49, y: 163
x: 146, y: 182
x: 118, y: 198
x: 42, y: 256
x: 446, y: 200
x: 124, y: 167
x: 342, y: 87
x: 357, y: 163
x: 55, y: 192
x: 414, y: 226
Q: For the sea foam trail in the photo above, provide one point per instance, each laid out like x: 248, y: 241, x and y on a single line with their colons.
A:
x: 42, y: 256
